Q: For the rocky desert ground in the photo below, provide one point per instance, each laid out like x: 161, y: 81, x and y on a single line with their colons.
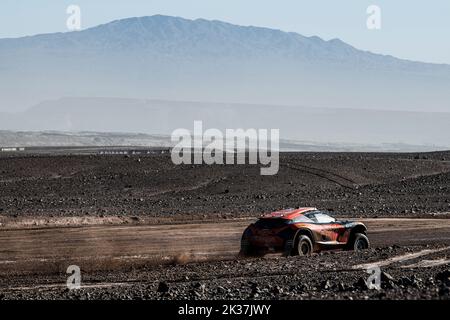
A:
x: 140, y: 227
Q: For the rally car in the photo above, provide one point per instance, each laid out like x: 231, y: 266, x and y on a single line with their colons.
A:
x: 301, y: 232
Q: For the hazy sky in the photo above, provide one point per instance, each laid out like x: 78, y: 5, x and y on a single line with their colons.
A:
x: 412, y: 29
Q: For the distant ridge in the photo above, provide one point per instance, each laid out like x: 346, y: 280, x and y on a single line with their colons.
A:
x: 323, y: 126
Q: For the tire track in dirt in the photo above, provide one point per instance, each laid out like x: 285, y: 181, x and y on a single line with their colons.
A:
x: 427, y: 263
x: 325, y: 174
x: 197, y: 186
x: 399, y: 259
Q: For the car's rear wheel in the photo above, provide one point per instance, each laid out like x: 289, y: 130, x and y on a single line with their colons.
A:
x: 361, y: 242
x: 304, y: 246
x: 246, y: 249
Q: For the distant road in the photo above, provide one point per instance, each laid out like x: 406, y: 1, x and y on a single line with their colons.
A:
x: 83, y: 150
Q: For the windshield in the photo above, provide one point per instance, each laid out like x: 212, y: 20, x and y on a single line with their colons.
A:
x: 303, y: 218
x: 324, y: 218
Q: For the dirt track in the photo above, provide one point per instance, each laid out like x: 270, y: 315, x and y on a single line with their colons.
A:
x: 117, y: 246
x: 197, y: 261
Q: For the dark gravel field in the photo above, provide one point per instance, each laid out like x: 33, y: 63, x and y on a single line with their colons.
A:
x: 350, y: 184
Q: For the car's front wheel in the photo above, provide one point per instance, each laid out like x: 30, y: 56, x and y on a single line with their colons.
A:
x: 361, y: 242
x: 304, y: 246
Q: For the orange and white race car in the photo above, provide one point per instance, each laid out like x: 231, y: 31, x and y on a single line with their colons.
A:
x: 301, y: 232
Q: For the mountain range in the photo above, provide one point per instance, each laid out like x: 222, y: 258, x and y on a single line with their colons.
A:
x: 172, y: 58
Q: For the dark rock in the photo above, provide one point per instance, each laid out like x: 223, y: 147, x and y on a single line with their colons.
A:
x: 221, y: 290
x: 163, y: 287
x: 326, y: 285
x: 361, y: 284
x: 405, y: 281
x: 277, y: 290
x: 412, y: 281
x: 444, y: 277
x: 254, y: 287
x: 303, y: 287
x: 444, y: 291
x: 199, y: 285
x: 430, y: 282
x: 385, y: 277
x: 388, y: 285
x: 416, y: 281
